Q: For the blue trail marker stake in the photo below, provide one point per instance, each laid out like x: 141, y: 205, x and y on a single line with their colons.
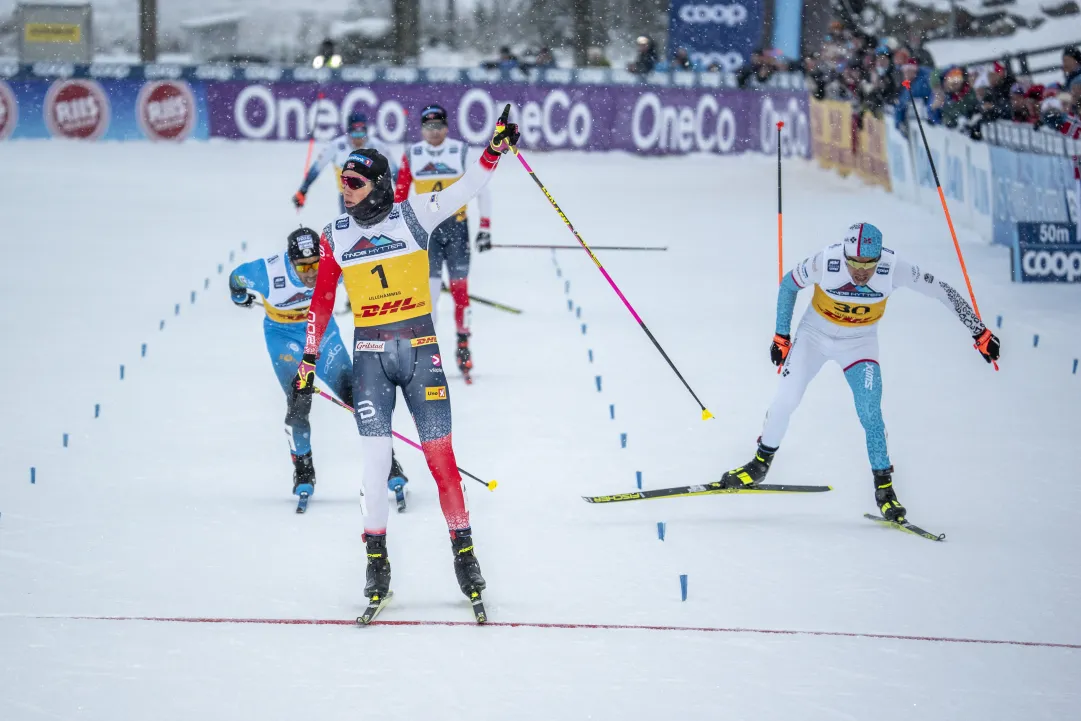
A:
x: 65, y: 440
x: 1075, y: 366
x: 566, y: 286
x: 161, y: 325
x: 220, y: 268
x: 231, y: 256
x: 243, y: 245
x: 1036, y: 340
x: 578, y: 311
x: 660, y: 530
x: 622, y: 440
x: 612, y: 411
x: 583, y: 329
x: 598, y: 384
x: 590, y: 355
x: 121, y: 371
x: 33, y: 475
x: 638, y: 479
x: 998, y: 321
x: 206, y: 283
x: 176, y: 311
x: 193, y: 296
x: 97, y: 410
x: 144, y: 350
x: 683, y: 586
x: 559, y: 273
x: 570, y: 304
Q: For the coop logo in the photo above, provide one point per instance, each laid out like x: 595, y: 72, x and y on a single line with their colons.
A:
x: 9, y: 111
x: 166, y: 110
x: 728, y: 62
x: 77, y: 109
x: 730, y: 15
x: 1052, y: 265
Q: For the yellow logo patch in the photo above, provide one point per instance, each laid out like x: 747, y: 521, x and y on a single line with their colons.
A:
x: 435, y: 393
x: 423, y: 340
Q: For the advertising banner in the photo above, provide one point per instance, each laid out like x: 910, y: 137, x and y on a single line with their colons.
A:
x: 724, y: 33
x: 839, y: 144
x: 1028, y: 188
x: 872, y: 161
x: 964, y: 170
x: 1046, y: 253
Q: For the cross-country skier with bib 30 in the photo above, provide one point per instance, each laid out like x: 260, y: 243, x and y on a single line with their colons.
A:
x: 286, y: 283
x: 436, y: 163
x: 852, y: 282
x: 380, y: 248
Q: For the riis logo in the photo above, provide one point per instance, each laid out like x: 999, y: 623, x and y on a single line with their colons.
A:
x: 77, y: 109
x: 730, y: 15
x: 166, y: 110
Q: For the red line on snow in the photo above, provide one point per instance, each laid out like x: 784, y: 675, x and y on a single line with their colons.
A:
x: 572, y: 626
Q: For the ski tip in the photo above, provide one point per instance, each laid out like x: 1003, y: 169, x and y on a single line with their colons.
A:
x: 492, y: 485
x: 706, y: 415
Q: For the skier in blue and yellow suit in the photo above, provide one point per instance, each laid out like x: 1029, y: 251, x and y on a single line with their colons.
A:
x: 286, y: 283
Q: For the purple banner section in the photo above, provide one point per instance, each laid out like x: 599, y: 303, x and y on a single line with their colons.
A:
x: 637, y: 119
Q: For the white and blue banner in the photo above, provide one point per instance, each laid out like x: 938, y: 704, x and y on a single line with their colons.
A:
x: 716, y: 31
x: 1046, y: 253
x: 1029, y: 188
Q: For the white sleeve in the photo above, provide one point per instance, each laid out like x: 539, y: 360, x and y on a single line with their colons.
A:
x: 809, y: 270
x: 433, y: 208
x: 908, y: 275
x: 326, y: 155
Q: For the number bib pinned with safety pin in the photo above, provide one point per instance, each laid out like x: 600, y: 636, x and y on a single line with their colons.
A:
x: 384, y: 267
x: 839, y: 300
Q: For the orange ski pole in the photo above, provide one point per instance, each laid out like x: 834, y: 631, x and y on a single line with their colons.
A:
x: 942, y: 198
x: 780, y: 224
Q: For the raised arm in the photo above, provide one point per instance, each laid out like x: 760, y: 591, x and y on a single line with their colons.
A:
x: 433, y: 208
x: 405, y: 179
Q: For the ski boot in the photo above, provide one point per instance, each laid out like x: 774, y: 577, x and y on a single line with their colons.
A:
x: 751, y: 474
x: 888, y: 505
x: 466, y: 566
x: 303, y: 478
x: 377, y: 575
x: 465, y: 358
x: 396, y: 482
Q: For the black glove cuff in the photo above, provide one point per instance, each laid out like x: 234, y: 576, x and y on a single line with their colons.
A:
x: 310, y: 358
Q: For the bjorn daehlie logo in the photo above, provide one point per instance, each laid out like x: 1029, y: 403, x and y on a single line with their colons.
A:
x: 378, y: 245
x: 436, y: 169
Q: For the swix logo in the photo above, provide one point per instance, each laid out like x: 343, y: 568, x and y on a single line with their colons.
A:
x: 389, y: 308
x: 367, y: 247
x: 436, y: 169
x: 869, y: 377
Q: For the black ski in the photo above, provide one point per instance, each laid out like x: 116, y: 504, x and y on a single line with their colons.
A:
x: 478, y: 607
x: 707, y: 489
x: 375, y: 605
x: 399, y: 496
x: 302, y: 504
x: 906, y: 527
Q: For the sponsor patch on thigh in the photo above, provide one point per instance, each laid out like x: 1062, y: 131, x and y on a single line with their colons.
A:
x: 435, y: 393
x: 372, y: 346
x: 423, y: 340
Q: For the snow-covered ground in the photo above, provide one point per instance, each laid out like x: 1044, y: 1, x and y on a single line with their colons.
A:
x: 176, y: 503
x: 1054, y: 32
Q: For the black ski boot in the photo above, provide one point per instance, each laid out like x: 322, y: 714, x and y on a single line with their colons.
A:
x: 465, y: 358
x: 466, y: 566
x: 303, y: 475
x: 751, y: 474
x: 377, y: 575
x: 888, y: 505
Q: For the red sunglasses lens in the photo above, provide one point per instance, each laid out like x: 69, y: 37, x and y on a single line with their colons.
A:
x: 353, y: 182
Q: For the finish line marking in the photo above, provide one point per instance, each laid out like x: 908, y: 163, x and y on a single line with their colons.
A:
x: 570, y: 626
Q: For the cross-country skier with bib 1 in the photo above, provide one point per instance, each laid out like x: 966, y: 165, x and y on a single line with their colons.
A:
x: 433, y: 164
x: 380, y: 249
x: 336, y: 151
x: 286, y: 283
x: 852, y: 282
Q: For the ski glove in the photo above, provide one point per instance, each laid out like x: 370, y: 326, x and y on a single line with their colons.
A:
x: 778, y: 349
x: 987, y: 345
x: 305, y: 379
x: 298, y: 199
x: 506, y: 134
x: 244, y: 301
x: 484, y: 241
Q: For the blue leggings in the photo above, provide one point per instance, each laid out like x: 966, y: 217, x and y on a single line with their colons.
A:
x: 285, y: 344
x: 865, y: 380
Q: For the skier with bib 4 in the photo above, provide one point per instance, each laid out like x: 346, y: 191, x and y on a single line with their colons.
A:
x: 433, y: 164
x: 286, y: 283
x: 380, y: 249
x: 852, y: 282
